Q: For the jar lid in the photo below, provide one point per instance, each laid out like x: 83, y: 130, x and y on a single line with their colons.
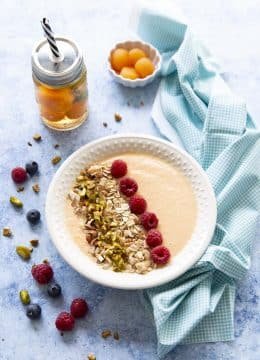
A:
x: 57, y: 71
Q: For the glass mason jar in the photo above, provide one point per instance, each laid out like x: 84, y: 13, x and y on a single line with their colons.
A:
x: 60, y: 85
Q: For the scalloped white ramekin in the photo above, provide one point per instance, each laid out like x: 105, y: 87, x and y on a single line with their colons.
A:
x: 151, y: 52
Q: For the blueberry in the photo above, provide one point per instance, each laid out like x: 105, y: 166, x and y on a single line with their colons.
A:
x: 31, y: 168
x: 33, y: 216
x: 33, y: 311
x: 54, y: 290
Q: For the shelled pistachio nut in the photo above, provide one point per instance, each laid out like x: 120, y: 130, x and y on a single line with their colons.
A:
x: 16, y: 202
x: 25, y: 297
x: 23, y: 251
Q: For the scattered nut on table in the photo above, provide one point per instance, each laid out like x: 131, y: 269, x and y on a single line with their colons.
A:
x: 7, y: 232
x: 106, y: 333
x: 36, y: 188
x: 55, y: 160
x: 118, y: 117
x: 34, y: 242
x: 91, y: 356
x: 37, y: 137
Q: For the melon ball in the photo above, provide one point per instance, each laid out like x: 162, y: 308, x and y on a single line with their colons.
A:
x: 136, y: 54
x: 129, y: 73
x: 119, y: 59
x: 144, y: 67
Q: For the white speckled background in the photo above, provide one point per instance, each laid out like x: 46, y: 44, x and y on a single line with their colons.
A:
x: 231, y: 29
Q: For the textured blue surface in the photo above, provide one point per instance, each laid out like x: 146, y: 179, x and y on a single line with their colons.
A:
x: 96, y: 25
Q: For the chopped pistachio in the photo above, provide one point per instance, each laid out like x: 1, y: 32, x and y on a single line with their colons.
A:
x: 7, y: 232
x: 91, y: 356
x: 118, y: 117
x: 36, y: 188
x: 16, y: 202
x: 20, y: 189
x: 25, y: 297
x: 23, y: 251
x: 116, y: 335
x: 56, y: 159
x: 34, y: 242
x: 106, y: 333
x: 37, y: 137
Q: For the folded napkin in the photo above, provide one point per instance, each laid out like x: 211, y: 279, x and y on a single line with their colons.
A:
x: 215, y: 128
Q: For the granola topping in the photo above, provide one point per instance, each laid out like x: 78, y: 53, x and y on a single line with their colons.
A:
x: 115, y: 236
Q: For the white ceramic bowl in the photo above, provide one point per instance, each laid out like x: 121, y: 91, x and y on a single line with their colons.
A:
x: 151, y: 52
x: 115, y: 146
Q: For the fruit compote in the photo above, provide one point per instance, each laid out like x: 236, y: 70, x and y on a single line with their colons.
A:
x: 63, y: 107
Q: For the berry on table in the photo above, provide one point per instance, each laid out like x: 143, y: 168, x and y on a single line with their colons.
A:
x: 33, y: 311
x: 54, y: 290
x: 149, y: 220
x: 154, y: 238
x: 19, y: 175
x: 118, y: 168
x: 160, y: 255
x: 33, y: 216
x: 65, y: 321
x: 128, y: 187
x: 42, y: 273
x: 31, y: 168
x: 78, y: 308
x: 137, y: 204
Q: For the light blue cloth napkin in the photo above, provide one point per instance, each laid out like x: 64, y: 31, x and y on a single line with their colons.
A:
x: 215, y: 128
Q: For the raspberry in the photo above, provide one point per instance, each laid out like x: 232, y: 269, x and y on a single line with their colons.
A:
x: 65, y: 321
x: 118, y: 169
x: 154, y: 238
x: 137, y: 204
x: 160, y: 255
x: 42, y: 273
x: 128, y: 187
x: 78, y: 308
x: 19, y: 175
x: 149, y: 220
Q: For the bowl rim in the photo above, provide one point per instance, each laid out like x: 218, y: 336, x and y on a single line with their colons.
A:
x: 139, y: 80
x: 110, y: 281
